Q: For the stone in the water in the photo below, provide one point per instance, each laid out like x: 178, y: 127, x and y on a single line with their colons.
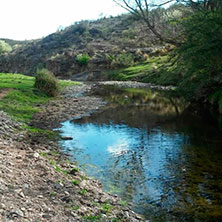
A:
x: 67, y: 138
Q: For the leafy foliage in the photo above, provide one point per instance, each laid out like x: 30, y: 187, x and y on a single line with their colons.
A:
x: 4, y: 47
x: 122, y: 60
x: 83, y: 59
x: 201, y: 54
x: 46, y: 82
x: 216, y: 98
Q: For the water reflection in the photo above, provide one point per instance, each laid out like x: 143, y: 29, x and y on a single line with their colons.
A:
x: 134, y: 160
x: 158, y: 159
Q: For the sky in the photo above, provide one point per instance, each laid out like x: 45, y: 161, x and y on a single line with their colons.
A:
x: 32, y: 19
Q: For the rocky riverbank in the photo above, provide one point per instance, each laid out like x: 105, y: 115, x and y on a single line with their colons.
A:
x: 38, y: 183
x: 73, y: 103
x: 134, y: 84
x: 76, y: 102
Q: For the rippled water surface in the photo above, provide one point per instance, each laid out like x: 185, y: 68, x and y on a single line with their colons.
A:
x: 147, y: 149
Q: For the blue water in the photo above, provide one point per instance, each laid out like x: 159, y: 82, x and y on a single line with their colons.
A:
x: 157, y: 160
x: 133, y: 162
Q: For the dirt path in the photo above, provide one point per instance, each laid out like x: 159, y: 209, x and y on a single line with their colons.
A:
x: 4, y: 92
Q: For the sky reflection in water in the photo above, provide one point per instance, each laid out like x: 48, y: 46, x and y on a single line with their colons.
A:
x: 132, y: 159
x: 146, y: 150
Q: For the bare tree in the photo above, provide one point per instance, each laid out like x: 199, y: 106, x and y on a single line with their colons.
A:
x: 143, y: 10
x: 146, y: 10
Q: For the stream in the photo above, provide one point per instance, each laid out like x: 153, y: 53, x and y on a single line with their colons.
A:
x: 146, y: 147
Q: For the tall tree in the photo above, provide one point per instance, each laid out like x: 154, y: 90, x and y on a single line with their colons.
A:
x: 203, y: 5
x: 201, y: 54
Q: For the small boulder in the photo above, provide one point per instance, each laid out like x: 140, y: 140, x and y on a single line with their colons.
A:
x: 67, y: 138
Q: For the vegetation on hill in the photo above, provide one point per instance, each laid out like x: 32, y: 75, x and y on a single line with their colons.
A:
x: 16, y: 43
x: 109, y: 42
x: 195, y: 65
x: 4, y: 47
x: 157, y: 70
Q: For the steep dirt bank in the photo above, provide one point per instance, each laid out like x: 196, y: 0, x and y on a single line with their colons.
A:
x: 37, y: 183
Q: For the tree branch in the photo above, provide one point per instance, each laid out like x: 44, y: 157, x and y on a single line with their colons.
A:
x: 142, y: 9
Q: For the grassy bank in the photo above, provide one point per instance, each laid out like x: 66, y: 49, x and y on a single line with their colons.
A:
x: 23, y: 99
x: 158, y: 70
x: 164, y: 70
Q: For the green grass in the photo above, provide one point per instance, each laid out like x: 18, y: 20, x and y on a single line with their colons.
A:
x: 75, y: 182
x: 156, y: 70
x: 106, y: 208
x: 52, y: 194
x: 123, y: 203
x: 137, y: 91
x: 21, y: 103
x: 92, y: 218
x: 43, y: 154
x: 83, y: 192
x: 16, y: 81
x: 74, y: 208
x: 52, y: 162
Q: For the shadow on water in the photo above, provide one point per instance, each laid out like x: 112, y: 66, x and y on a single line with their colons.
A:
x: 146, y: 148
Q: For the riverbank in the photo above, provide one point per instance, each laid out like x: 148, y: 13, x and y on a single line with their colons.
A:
x: 76, y: 102
x: 136, y: 85
x: 38, y: 183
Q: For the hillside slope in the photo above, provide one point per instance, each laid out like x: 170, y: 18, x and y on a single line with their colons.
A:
x: 16, y: 43
x: 109, y: 42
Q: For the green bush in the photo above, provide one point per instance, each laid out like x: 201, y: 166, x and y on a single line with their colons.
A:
x: 129, y: 34
x: 123, y: 60
x: 201, y: 54
x: 117, y: 76
x: 46, y: 82
x: 4, y: 47
x: 83, y: 59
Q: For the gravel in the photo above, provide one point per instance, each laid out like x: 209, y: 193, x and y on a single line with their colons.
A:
x: 134, y: 84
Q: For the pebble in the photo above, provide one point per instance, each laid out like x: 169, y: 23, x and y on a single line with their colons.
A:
x: 9, y: 129
x: 25, y: 186
x: 36, y: 155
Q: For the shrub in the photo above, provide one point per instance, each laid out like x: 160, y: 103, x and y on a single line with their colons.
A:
x: 123, y: 60
x: 201, y: 54
x: 129, y: 34
x: 83, y: 59
x: 4, y: 47
x: 46, y: 82
x: 79, y: 28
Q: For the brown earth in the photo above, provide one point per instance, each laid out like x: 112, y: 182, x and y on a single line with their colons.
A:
x: 4, y: 92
